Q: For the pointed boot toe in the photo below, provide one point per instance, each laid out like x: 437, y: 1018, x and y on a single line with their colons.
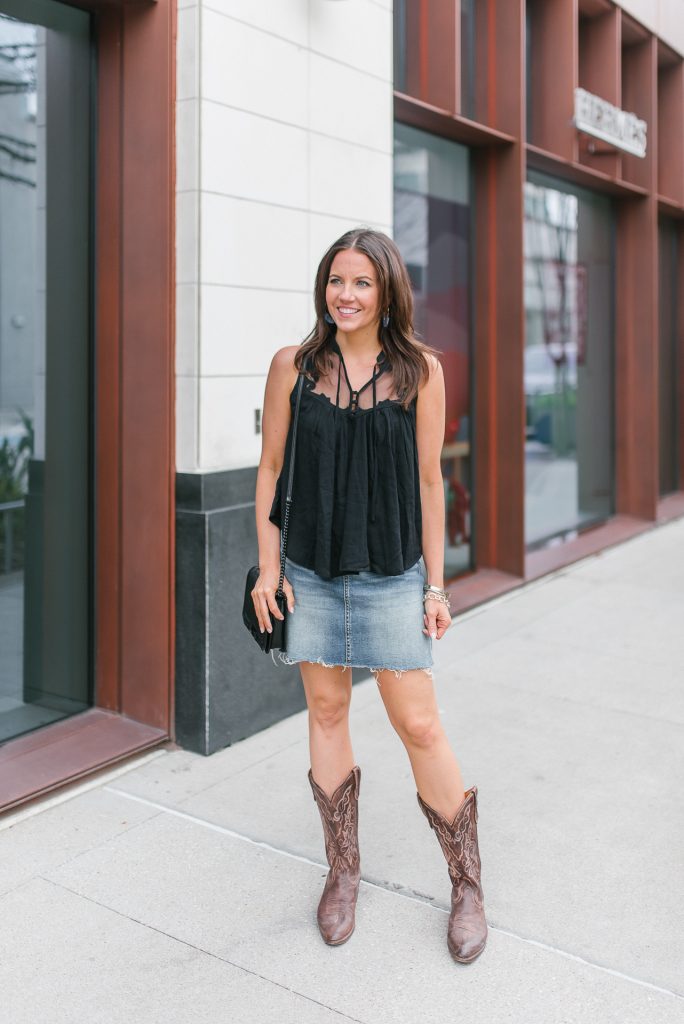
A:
x: 467, y: 927
x: 336, y: 914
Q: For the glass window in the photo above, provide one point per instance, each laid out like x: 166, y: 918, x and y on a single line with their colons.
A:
x: 432, y: 230
x: 667, y: 357
x: 568, y: 363
x: 45, y: 62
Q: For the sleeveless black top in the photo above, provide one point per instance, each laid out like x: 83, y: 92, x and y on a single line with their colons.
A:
x: 356, y: 489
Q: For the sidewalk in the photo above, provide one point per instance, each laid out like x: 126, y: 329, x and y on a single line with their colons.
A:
x: 184, y: 889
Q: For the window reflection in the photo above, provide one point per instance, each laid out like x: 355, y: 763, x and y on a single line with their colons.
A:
x: 432, y: 229
x: 568, y: 359
x: 44, y: 365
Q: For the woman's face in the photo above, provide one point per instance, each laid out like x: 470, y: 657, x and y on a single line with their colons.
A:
x: 352, y: 293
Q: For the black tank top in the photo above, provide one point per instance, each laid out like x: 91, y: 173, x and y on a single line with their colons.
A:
x: 356, y: 488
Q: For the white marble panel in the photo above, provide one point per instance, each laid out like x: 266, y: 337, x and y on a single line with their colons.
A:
x: 243, y: 327
x: 350, y: 105
x: 187, y: 397
x: 253, y: 244
x: 286, y: 18
x: 187, y: 237
x: 250, y: 69
x: 350, y: 181
x: 355, y: 32
x: 187, y: 145
x: 227, y: 416
x: 187, y: 53
x: 187, y: 329
x: 248, y: 155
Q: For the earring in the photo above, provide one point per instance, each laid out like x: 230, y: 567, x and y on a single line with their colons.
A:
x: 386, y: 319
x: 328, y: 319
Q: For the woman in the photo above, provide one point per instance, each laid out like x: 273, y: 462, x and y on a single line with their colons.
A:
x: 365, y: 555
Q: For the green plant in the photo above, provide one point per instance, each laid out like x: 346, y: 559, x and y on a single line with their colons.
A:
x: 14, y: 461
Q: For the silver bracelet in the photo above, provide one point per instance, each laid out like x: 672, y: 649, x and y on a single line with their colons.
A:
x: 435, y: 594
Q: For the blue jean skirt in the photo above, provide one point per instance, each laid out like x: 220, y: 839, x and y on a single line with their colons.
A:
x: 363, y: 619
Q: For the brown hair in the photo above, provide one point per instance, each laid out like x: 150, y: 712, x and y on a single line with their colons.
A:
x: 405, y: 352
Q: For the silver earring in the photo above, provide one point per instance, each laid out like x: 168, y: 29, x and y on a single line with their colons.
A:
x: 328, y: 319
x: 386, y: 319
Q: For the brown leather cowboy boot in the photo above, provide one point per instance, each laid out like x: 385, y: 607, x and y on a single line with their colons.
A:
x: 340, y: 816
x: 467, y: 929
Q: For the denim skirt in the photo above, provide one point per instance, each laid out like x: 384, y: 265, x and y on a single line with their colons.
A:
x: 363, y: 619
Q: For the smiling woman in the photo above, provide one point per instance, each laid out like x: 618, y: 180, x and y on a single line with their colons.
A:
x: 364, y: 561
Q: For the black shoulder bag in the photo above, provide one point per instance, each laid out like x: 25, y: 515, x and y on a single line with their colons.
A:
x: 275, y: 640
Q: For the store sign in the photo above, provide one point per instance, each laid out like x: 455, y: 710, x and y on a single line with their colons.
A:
x: 601, y: 119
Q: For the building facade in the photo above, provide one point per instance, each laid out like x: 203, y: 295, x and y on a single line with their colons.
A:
x: 170, y: 175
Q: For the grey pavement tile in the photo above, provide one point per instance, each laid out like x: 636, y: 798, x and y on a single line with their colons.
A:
x: 595, y: 678
x: 256, y: 908
x: 63, y: 831
x: 182, y: 773
x: 66, y: 960
x: 580, y: 826
x: 619, y: 618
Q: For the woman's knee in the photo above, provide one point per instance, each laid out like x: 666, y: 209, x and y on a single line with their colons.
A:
x: 329, y: 710
x: 421, y: 730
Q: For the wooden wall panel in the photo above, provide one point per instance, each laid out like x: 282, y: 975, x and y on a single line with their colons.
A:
x: 671, y: 132
x: 636, y: 355
x: 147, y: 369
x: 639, y: 96
x: 554, y: 63
x: 599, y: 73
x: 499, y: 323
x: 432, y: 44
x: 134, y: 641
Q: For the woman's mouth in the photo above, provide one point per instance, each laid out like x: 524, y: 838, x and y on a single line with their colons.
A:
x: 347, y: 310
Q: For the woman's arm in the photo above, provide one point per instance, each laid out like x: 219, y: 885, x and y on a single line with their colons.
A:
x: 275, y: 423
x: 430, y: 410
x: 430, y: 438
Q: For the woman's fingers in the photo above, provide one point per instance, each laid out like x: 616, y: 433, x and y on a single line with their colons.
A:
x: 265, y: 603
x: 436, y: 618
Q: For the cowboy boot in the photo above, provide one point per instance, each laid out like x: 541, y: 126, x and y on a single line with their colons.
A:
x: 467, y: 928
x: 339, y: 814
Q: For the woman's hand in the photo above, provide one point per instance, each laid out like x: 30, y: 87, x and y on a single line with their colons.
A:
x: 263, y: 596
x: 436, y: 618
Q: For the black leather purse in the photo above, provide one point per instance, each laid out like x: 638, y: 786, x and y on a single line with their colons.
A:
x: 276, y: 639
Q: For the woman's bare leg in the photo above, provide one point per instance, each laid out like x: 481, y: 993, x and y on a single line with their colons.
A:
x: 328, y: 697
x: 412, y: 709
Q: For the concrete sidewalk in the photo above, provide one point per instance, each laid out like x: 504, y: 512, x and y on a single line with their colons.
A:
x: 184, y: 888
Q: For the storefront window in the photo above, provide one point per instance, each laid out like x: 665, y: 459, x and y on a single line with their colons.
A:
x: 44, y: 363
x: 432, y: 229
x: 667, y: 357
x: 568, y: 365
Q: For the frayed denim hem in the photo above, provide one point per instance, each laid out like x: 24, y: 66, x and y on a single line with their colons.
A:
x: 398, y: 672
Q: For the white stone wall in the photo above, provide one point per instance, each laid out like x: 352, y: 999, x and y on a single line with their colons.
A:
x: 663, y: 17
x: 284, y: 141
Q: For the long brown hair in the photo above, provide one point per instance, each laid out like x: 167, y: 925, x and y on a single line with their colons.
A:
x: 405, y: 351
